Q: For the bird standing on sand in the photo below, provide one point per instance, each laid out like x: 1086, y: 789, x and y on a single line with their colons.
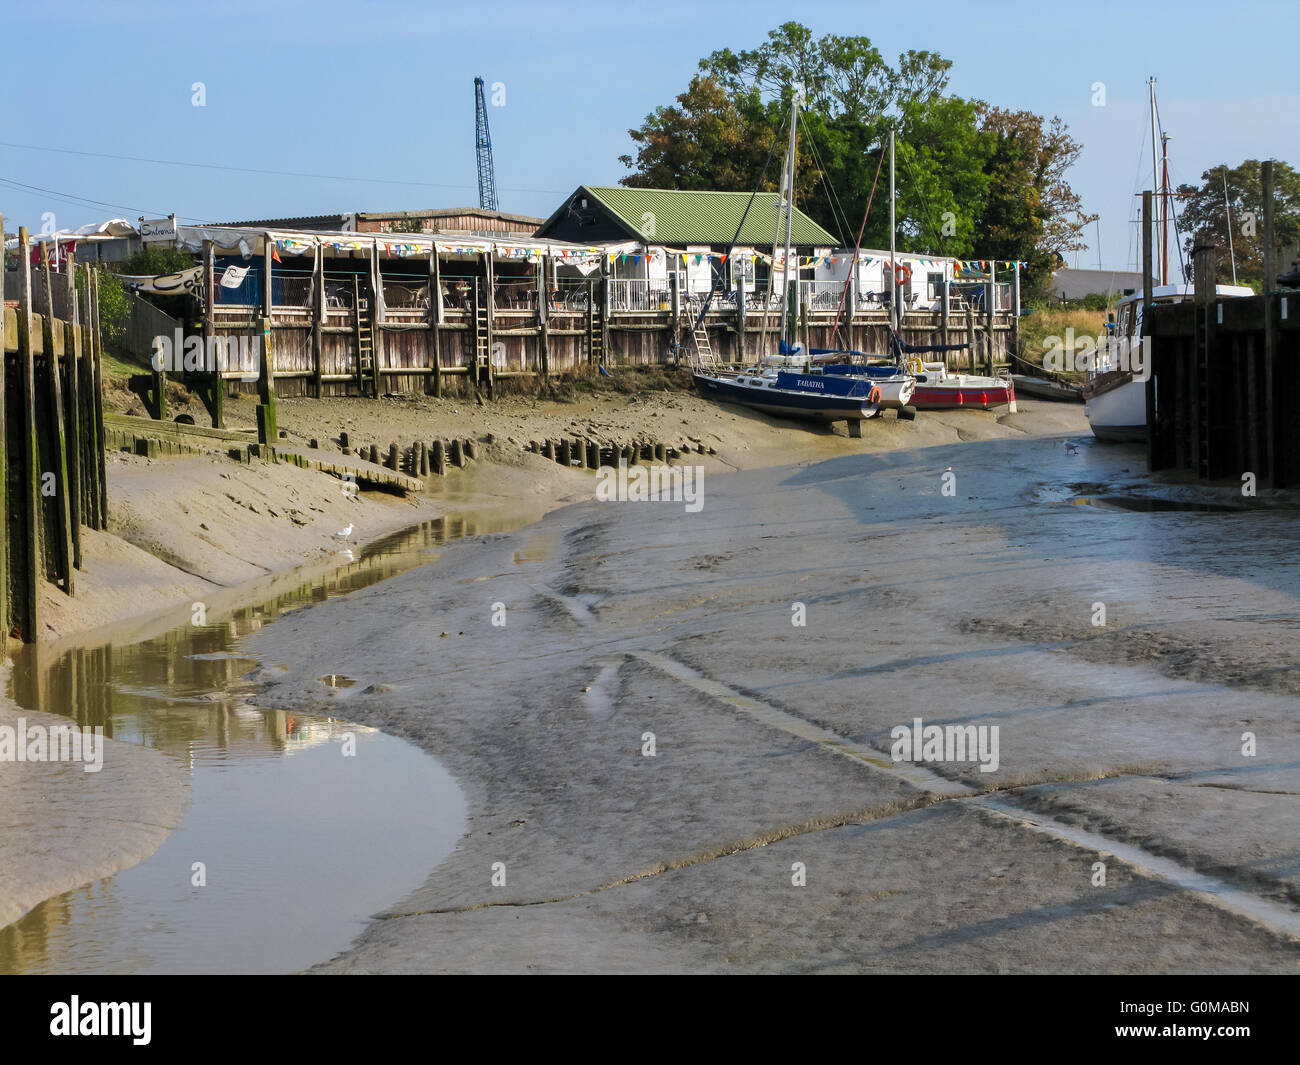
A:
x: 343, y: 534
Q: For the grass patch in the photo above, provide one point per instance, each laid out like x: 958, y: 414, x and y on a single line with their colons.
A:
x: 1037, y: 327
x: 623, y: 380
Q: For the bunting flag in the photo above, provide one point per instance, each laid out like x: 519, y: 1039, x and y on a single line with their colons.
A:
x: 275, y: 253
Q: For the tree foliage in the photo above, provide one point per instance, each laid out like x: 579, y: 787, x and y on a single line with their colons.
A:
x: 1204, y: 217
x: 972, y: 179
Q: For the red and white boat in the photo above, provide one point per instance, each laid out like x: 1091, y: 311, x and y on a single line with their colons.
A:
x: 938, y: 388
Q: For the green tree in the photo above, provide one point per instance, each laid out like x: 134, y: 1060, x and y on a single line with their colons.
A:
x: 1204, y: 217
x: 972, y: 179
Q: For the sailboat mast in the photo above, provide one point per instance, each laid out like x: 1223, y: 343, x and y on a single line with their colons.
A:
x: 789, y: 201
x: 893, y: 247
x: 1155, y: 156
x: 1164, y: 206
x: 1227, y: 206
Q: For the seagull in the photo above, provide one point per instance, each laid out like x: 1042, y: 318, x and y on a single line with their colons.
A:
x: 1071, y: 449
x: 343, y: 534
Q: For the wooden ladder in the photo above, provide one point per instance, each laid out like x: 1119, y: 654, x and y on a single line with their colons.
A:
x: 595, y: 328
x: 367, y: 383
x: 703, y: 350
x: 482, y: 350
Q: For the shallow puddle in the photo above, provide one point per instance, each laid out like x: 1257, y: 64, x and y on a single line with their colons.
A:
x: 305, y: 825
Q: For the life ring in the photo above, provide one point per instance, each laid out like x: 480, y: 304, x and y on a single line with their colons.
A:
x: 902, y: 274
x: 914, y: 365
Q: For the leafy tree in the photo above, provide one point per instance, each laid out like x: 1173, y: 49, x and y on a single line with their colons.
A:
x: 1204, y: 217
x: 972, y: 179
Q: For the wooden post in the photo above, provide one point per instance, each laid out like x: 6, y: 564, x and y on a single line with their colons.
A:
x: 58, y: 432
x: 210, y: 331
x: 990, y: 314
x: 1015, y: 307
x: 943, y: 312
x: 970, y: 336
x: 267, y: 430
x: 1155, y: 459
x: 433, y: 349
x: 4, y: 461
x: 740, y: 314
x: 606, y: 302
x: 317, y: 318
x: 544, y: 313
x: 1205, y: 267
x: 76, y: 442
x: 1271, y: 420
x: 29, y: 492
x: 675, y: 295
x: 97, y: 344
x: 267, y: 246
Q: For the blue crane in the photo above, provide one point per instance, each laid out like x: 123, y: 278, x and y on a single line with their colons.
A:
x: 487, y: 182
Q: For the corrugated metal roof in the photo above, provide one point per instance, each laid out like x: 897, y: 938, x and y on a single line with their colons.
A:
x: 682, y: 218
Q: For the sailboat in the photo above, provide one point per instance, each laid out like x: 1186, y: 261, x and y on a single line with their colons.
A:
x: 1114, y: 392
x: 784, y: 384
x: 913, y: 383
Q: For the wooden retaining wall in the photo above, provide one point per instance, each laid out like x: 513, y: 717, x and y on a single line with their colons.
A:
x: 1225, y: 373
x: 51, y: 435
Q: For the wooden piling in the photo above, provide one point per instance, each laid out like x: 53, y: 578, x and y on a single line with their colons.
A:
x: 317, y: 319
x: 76, y: 454
x: 456, y: 457
x: 439, y: 463
x: 1271, y: 420
x: 28, y: 614
x: 4, y: 462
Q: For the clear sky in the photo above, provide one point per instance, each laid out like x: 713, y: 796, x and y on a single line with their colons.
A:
x: 383, y: 91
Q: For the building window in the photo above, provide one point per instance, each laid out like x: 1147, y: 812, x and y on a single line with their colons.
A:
x: 934, y: 288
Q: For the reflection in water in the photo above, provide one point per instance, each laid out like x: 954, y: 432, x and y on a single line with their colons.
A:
x: 297, y: 851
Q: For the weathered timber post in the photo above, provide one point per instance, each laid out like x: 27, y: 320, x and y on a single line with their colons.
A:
x: 1206, y: 266
x: 267, y: 432
x: 456, y: 458
x: 434, y: 346
x: 1015, y: 322
x: 943, y: 313
x: 58, y: 433
x: 1157, y: 458
x: 990, y: 314
x: 970, y: 336
x: 544, y: 314
x: 675, y: 297
x: 76, y: 437
x: 317, y: 318
x: 740, y: 314
x: 210, y: 331
x: 439, y: 464
x: 97, y: 391
x: 28, y: 614
x: 4, y: 461
x: 1272, y: 450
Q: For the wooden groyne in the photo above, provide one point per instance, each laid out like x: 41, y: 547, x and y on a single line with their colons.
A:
x: 51, y: 433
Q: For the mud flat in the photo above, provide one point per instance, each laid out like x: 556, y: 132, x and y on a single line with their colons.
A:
x: 1119, y: 743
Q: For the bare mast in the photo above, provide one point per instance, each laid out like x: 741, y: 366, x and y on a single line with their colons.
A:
x: 893, y: 248
x: 796, y: 93
x: 1155, y: 159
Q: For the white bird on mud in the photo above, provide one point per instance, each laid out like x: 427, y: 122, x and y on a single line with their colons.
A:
x: 343, y: 534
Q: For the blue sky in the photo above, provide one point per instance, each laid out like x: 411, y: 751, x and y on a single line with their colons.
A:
x: 384, y: 91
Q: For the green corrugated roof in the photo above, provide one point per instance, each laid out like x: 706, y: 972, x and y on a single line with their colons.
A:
x: 682, y: 218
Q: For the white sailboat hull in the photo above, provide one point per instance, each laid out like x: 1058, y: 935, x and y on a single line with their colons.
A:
x: 1119, y: 413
